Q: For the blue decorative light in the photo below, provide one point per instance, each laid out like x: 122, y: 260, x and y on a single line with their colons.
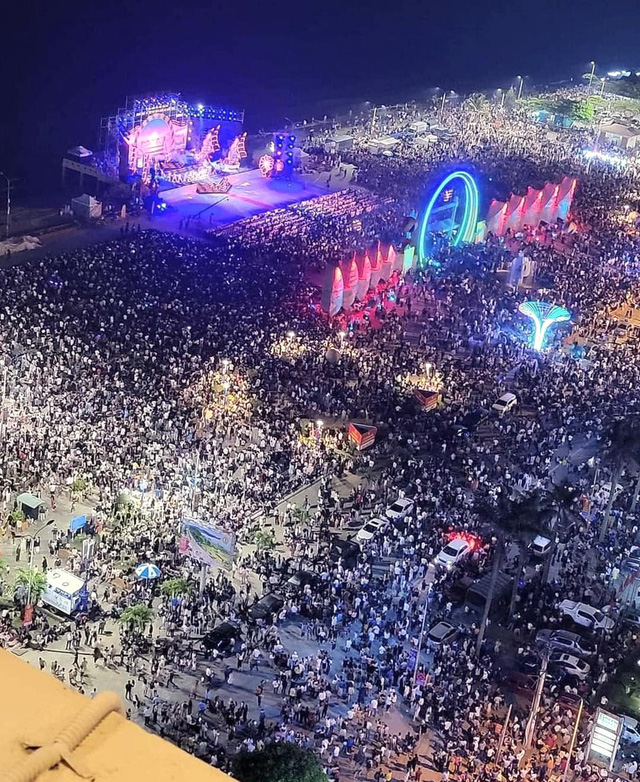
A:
x: 543, y: 314
x: 469, y: 221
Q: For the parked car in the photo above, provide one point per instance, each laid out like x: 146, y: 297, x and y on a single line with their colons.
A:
x: 630, y: 731
x: 265, y: 608
x: 457, y: 591
x: 301, y: 579
x: 506, y: 403
x: 528, y: 664
x: 346, y: 550
x: 453, y: 552
x: 400, y: 509
x: 585, y: 615
x: 470, y: 422
x: 367, y: 532
x: 222, y: 638
x: 570, y: 663
x: 540, y: 546
x: 441, y: 634
x: 630, y: 564
x: 565, y: 641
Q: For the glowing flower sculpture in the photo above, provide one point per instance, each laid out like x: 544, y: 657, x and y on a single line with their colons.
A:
x: 543, y: 315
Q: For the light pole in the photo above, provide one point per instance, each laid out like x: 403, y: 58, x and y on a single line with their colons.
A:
x: 592, y: 74
x: 33, y: 536
x: 535, y: 706
x: 602, y: 81
x: 520, y: 87
x: 501, y: 91
x: 444, y: 100
x: 8, y: 181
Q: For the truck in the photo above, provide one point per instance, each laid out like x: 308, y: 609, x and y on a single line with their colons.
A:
x: 65, y: 592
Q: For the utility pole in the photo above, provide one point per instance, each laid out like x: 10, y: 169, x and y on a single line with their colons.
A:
x: 503, y: 733
x: 421, y: 637
x: 573, y: 740
x: 535, y: 706
x: 8, y: 181
x: 592, y: 74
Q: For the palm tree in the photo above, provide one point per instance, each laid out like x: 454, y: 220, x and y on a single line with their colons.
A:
x: 513, y: 521
x: 174, y: 587
x: 558, y: 512
x: 623, y: 449
x: 136, y: 617
x: 30, y: 582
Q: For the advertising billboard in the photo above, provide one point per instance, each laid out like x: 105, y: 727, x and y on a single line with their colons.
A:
x: 208, y: 544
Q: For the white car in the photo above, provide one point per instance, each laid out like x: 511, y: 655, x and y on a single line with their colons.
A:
x: 506, y: 402
x: 585, y: 615
x: 401, y: 508
x: 453, y: 552
x: 570, y: 663
x: 630, y: 731
x: 367, y: 532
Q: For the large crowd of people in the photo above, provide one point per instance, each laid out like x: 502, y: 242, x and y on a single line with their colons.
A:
x: 170, y: 377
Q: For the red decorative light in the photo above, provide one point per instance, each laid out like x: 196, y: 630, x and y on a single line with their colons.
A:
x: 472, y: 540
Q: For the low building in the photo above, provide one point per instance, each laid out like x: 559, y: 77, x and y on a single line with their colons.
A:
x: 623, y: 136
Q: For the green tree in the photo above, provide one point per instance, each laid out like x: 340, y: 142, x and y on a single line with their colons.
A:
x: 174, y: 587
x: 264, y: 539
x: 583, y: 110
x: 278, y: 763
x: 31, y: 582
x: 136, y: 617
x: 513, y: 521
x: 623, y: 449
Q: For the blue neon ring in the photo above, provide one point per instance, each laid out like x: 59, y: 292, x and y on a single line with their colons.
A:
x: 469, y: 218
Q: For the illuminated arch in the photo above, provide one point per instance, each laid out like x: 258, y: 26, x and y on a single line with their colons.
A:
x: 469, y: 220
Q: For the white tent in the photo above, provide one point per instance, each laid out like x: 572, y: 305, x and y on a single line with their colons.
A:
x: 338, y: 143
x: 381, y: 145
x: 419, y: 126
x: 17, y: 244
x: 426, y: 140
x: 86, y: 207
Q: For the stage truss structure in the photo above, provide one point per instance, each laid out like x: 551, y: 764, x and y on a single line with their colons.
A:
x: 117, y: 129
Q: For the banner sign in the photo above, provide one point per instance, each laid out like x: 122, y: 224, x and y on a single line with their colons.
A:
x: 207, y: 544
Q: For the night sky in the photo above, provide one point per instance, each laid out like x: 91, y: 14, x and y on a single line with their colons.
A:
x: 64, y: 65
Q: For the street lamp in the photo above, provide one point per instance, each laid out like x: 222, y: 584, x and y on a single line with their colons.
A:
x: 444, y: 100
x: 520, y: 87
x: 592, y: 74
x: 602, y: 81
x: 502, y: 93
x: 8, y: 181
x: 33, y: 536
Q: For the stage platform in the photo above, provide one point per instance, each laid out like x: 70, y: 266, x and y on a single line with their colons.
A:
x: 250, y: 194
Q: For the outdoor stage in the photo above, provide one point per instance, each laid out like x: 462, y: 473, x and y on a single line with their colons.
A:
x: 250, y: 194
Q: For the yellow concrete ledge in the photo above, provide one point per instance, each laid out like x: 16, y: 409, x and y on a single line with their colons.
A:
x: 38, y: 711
